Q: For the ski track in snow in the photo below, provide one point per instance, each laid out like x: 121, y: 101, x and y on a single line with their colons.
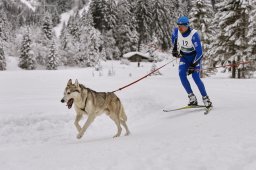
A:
x: 37, y: 131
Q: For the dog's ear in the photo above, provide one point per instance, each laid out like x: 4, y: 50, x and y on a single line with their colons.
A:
x: 76, y: 83
x: 69, y: 82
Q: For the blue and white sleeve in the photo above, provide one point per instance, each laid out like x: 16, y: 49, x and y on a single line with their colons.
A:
x: 174, y: 37
x: 198, y: 47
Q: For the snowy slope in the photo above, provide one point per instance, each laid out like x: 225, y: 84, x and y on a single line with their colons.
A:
x: 64, y: 17
x: 37, y: 131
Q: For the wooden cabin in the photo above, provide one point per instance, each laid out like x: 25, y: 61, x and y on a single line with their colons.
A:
x: 138, y: 57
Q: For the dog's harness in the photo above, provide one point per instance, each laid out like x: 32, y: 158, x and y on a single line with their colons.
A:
x: 86, y: 100
x: 83, y: 109
x: 85, y: 103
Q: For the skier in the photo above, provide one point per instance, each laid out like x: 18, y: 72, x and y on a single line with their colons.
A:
x: 187, y: 47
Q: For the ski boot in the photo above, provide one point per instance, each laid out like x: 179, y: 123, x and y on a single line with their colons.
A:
x: 192, y: 100
x: 207, y: 102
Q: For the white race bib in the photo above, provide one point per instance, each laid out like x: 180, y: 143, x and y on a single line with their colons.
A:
x: 185, y: 44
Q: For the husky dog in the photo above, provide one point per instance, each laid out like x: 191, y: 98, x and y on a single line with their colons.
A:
x: 92, y: 103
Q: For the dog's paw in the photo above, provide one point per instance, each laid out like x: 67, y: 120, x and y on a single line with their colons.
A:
x: 127, y: 134
x: 117, y: 135
x: 79, y: 135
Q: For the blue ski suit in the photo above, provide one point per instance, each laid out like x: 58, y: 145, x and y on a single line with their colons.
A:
x: 189, y: 46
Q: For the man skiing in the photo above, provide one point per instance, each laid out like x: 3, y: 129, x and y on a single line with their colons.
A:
x: 187, y: 47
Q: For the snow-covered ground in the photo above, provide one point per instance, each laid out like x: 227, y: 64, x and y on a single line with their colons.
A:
x: 37, y: 131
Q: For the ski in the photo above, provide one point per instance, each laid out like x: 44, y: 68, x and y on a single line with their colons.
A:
x: 207, y: 110
x: 185, y: 107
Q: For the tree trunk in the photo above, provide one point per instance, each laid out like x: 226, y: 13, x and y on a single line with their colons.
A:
x: 213, y: 4
x: 233, y: 69
x: 238, y: 69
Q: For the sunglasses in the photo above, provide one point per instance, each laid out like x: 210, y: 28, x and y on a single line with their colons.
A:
x: 184, y: 25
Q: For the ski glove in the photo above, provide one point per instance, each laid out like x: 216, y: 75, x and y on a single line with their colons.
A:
x: 192, y: 68
x: 175, y: 53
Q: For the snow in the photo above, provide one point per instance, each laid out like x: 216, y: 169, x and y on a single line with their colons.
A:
x: 12, y: 63
x: 129, y: 54
x: 37, y: 131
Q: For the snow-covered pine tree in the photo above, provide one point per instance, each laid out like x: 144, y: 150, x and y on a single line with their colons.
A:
x: 86, y: 19
x: 251, y: 34
x: 40, y: 44
x: 52, y: 58
x: 3, y: 38
x: 231, y: 41
x: 162, y: 19
x: 201, y: 16
x: 42, y: 39
x: 63, y: 37
x: 6, y: 32
x: 89, y: 52
x: 39, y: 39
x: 73, y: 26
x: 127, y: 39
x: 110, y: 15
x: 213, y: 57
x: 3, y: 20
x: 184, y: 7
x: 214, y: 2
x: 125, y: 33
x: 2, y: 58
x: 63, y: 5
x: 55, y: 18
x: 98, y: 7
x: 47, y: 26
x: 126, y: 13
x: 252, y: 30
x: 143, y: 14
x: 111, y: 50
x: 68, y: 47
x: 68, y: 41
x: 27, y: 58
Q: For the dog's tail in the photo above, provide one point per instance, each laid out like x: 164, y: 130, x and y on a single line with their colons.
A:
x: 122, y: 114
